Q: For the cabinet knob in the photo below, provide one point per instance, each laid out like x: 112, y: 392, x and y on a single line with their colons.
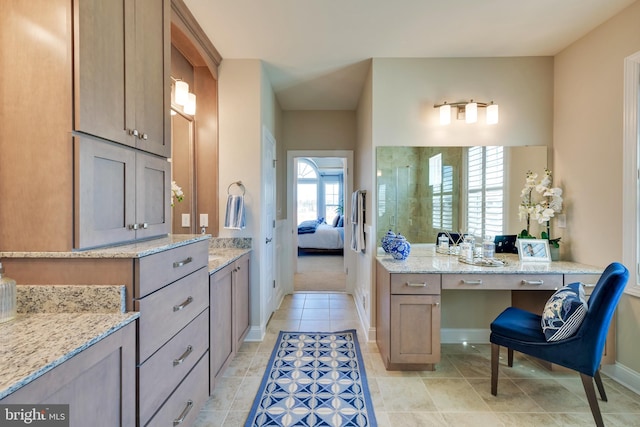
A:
x: 133, y: 132
x: 437, y: 304
x: 143, y: 136
x: 144, y: 225
x: 132, y: 227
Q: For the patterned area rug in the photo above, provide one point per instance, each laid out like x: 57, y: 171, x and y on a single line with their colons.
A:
x: 314, y: 379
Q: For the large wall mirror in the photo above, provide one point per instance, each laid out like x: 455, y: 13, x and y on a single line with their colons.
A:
x: 424, y: 190
x: 183, y: 172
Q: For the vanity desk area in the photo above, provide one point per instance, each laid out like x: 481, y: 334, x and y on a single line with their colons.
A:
x: 409, y: 295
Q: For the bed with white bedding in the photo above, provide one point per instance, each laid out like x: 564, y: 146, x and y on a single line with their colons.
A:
x: 324, y: 237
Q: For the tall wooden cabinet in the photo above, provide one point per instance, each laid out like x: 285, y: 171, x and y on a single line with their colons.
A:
x: 229, y: 305
x: 80, y: 69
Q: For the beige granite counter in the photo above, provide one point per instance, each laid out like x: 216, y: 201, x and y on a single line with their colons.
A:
x: 54, y: 323
x: 132, y: 250
x: 33, y: 344
x: 220, y: 257
x: 426, y: 262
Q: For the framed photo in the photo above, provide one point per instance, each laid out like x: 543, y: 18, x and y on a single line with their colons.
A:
x: 534, y: 250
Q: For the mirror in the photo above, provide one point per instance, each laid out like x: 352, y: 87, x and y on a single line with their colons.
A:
x: 424, y: 190
x: 182, y: 172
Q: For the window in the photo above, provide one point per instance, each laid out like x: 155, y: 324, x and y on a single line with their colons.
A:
x: 307, y: 191
x: 441, y: 180
x: 332, y: 199
x: 485, y: 174
x: 319, y: 191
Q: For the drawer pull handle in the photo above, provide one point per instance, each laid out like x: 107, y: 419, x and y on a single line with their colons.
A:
x: 417, y: 285
x: 183, y: 305
x: 472, y: 282
x: 184, y: 355
x: 589, y: 285
x: 182, y: 263
x: 184, y: 413
x: 532, y: 282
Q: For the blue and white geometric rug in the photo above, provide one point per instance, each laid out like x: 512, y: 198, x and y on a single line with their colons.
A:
x: 314, y: 379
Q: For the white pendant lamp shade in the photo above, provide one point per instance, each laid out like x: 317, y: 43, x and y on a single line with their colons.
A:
x: 181, y: 93
x: 492, y: 114
x: 445, y: 114
x: 471, y: 112
x: 190, y: 106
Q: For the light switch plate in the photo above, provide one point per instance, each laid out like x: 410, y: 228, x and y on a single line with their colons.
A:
x: 186, y: 220
x: 204, y: 220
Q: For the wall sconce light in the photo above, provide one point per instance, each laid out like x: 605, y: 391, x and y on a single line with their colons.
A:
x: 467, y: 111
x: 190, y: 106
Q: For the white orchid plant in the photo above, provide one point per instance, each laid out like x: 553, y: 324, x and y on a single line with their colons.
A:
x: 176, y: 193
x: 540, y: 202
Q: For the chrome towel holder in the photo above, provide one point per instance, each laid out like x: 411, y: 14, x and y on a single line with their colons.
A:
x: 239, y: 184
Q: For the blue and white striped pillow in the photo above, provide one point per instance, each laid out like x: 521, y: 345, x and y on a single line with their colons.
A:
x: 564, y: 312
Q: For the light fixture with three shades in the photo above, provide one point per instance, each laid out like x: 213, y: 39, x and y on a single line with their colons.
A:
x: 184, y: 98
x: 467, y: 111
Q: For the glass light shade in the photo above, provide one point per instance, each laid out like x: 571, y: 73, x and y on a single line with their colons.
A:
x: 181, y: 93
x: 445, y: 114
x: 190, y: 106
x: 492, y: 114
x: 471, y: 112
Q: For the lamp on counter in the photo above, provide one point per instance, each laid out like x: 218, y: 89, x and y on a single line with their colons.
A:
x: 467, y: 111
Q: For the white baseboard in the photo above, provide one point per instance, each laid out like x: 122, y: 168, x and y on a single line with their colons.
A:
x: 454, y: 336
x: 256, y: 334
x: 625, y: 376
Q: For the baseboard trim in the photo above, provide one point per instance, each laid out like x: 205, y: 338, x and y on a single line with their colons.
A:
x: 256, y: 334
x: 624, y: 375
x: 454, y: 336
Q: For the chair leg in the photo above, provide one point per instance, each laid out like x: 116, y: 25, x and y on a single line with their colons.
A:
x: 600, y: 385
x: 587, y: 383
x: 510, y: 357
x: 495, y: 356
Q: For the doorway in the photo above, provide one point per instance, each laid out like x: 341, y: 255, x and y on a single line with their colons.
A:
x: 318, y: 192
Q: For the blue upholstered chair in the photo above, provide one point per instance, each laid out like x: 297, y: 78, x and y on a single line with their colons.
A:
x: 520, y: 330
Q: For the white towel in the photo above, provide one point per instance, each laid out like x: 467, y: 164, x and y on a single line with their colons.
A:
x: 357, y: 221
x: 234, y: 217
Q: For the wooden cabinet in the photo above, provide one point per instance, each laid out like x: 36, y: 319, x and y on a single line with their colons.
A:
x: 229, y: 308
x: 173, y: 331
x: 102, y: 70
x: 121, y: 81
x: 110, y: 363
x: 121, y: 194
x: 408, y: 319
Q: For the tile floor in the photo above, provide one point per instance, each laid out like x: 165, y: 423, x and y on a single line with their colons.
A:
x: 457, y: 393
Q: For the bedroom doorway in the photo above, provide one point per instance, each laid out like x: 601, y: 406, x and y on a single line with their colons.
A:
x: 319, y: 187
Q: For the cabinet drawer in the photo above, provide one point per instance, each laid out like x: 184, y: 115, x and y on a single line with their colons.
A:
x: 164, y: 313
x: 186, y: 401
x: 160, y: 375
x: 155, y: 271
x: 502, y: 281
x: 415, y: 284
x: 588, y: 280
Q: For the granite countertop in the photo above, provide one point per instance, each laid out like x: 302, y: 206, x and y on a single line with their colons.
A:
x: 427, y: 261
x: 221, y: 257
x: 54, y: 323
x: 132, y: 250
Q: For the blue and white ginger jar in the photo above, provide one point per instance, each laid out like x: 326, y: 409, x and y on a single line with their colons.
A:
x: 386, y: 240
x: 400, y: 247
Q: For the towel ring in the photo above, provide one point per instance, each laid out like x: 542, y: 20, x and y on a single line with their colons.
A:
x: 239, y: 184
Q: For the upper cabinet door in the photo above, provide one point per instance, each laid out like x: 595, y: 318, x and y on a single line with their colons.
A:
x: 153, y: 61
x: 121, y: 66
x: 101, y: 51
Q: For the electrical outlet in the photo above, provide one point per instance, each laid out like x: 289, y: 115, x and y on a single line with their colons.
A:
x: 562, y: 220
x: 186, y: 220
x: 204, y: 220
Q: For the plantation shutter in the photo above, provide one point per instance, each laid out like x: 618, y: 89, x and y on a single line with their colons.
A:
x: 485, y: 172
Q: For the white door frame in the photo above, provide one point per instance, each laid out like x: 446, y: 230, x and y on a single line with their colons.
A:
x: 292, y: 214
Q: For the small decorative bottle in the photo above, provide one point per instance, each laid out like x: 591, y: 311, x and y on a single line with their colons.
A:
x: 7, y: 297
x: 466, y: 249
x: 488, y: 248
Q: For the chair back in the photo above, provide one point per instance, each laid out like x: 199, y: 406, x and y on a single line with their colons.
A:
x: 602, y: 304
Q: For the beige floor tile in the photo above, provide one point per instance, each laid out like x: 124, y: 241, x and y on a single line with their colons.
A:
x: 223, y: 395
x: 620, y: 420
x: 520, y: 419
x: 246, y: 394
x: 446, y: 349
x: 510, y: 398
x: 551, y: 395
x: 405, y: 394
x: 471, y: 365
x: 318, y: 303
x: 343, y: 314
x: 415, y: 419
x: 288, y: 313
x: 320, y: 296
x: 259, y: 364
x: 239, y: 365
x: 235, y: 419
x: 315, y: 326
x: 275, y: 326
x: 471, y: 419
x: 452, y: 394
x: 249, y: 347
x: 210, y: 419
x: 444, y: 369
x: 316, y: 314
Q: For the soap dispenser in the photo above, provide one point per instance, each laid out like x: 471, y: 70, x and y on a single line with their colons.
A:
x: 7, y: 297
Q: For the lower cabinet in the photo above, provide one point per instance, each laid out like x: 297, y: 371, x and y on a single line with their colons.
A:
x: 229, y: 314
x: 408, y: 319
x: 109, y: 363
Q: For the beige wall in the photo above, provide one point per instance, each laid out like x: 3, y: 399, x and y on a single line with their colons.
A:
x: 405, y: 90
x: 588, y: 154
